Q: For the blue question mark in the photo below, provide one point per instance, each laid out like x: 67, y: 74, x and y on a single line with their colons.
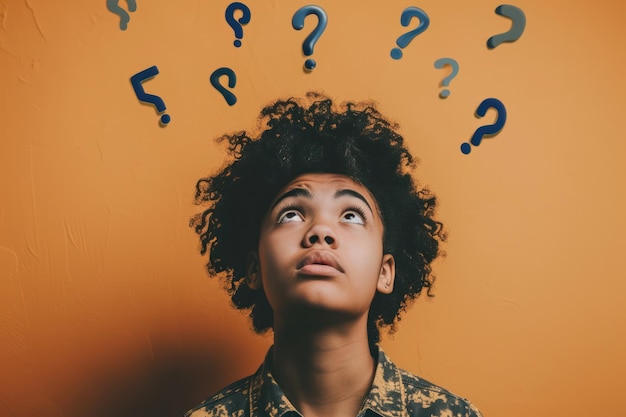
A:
x: 137, y: 80
x: 236, y: 24
x: 488, y: 130
x: 297, y: 22
x: 440, y: 63
x: 408, y: 14
x: 232, y: 81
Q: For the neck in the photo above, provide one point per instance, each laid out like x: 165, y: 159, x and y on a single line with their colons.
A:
x: 326, y: 371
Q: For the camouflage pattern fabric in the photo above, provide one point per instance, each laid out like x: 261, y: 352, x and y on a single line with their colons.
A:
x: 394, y: 393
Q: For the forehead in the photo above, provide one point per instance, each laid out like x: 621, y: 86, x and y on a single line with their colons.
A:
x: 326, y: 182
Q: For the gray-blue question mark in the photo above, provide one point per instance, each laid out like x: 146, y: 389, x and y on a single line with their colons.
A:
x: 113, y: 6
x: 440, y: 63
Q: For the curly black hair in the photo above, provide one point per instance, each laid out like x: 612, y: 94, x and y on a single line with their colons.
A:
x: 299, y: 136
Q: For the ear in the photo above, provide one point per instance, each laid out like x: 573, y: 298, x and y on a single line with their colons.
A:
x: 387, y: 274
x: 253, y: 272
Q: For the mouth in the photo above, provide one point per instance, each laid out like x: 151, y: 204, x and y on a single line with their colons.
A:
x: 321, y: 263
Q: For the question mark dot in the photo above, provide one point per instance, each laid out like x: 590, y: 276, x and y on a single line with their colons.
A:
x: 444, y: 93
x: 237, y: 43
x: 165, y: 119
x: 466, y: 148
x: 310, y: 64
x: 396, y: 53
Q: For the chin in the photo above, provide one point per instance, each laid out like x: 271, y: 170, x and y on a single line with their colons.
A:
x: 322, y: 307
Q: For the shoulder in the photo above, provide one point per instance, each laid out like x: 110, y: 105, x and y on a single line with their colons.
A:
x: 231, y: 401
x: 422, y: 395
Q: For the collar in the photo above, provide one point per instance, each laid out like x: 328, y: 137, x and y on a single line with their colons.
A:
x: 386, y: 396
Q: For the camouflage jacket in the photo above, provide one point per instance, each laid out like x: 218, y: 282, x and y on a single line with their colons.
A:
x: 394, y: 393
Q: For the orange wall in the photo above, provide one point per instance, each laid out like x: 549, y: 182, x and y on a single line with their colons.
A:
x: 105, y: 308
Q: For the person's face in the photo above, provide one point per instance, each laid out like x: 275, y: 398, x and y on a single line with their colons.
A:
x: 321, y: 249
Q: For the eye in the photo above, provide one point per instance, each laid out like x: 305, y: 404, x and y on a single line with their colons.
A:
x: 290, y: 215
x: 353, y: 215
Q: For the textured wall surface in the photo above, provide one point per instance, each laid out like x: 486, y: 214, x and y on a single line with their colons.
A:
x: 105, y: 306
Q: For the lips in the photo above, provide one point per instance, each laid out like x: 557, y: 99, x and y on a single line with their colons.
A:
x: 319, y: 263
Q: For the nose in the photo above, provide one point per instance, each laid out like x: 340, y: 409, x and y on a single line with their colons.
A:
x: 320, y: 234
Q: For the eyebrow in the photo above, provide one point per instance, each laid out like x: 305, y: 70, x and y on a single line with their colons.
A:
x: 352, y: 193
x: 303, y: 192
x: 296, y: 192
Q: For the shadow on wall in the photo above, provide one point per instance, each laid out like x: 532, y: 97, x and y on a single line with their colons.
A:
x: 177, y: 379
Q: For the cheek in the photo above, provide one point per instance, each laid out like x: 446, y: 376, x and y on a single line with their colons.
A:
x: 367, y: 255
x: 375, y: 253
x: 272, y: 253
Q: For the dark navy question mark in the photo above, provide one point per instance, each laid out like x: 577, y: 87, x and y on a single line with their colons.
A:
x: 232, y: 81
x: 137, y: 82
x: 309, y: 43
x: 113, y: 6
x: 488, y: 130
x: 517, y: 28
x: 408, y: 14
x: 235, y: 24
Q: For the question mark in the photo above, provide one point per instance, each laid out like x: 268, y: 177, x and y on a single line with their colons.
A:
x: 298, y: 23
x: 440, y: 63
x: 488, y: 130
x: 408, y: 14
x: 113, y: 6
x: 236, y: 24
x: 517, y: 28
x: 232, y: 81
x: 137, y: 80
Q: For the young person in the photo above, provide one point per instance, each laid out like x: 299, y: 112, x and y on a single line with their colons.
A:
x: 320, y: 231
